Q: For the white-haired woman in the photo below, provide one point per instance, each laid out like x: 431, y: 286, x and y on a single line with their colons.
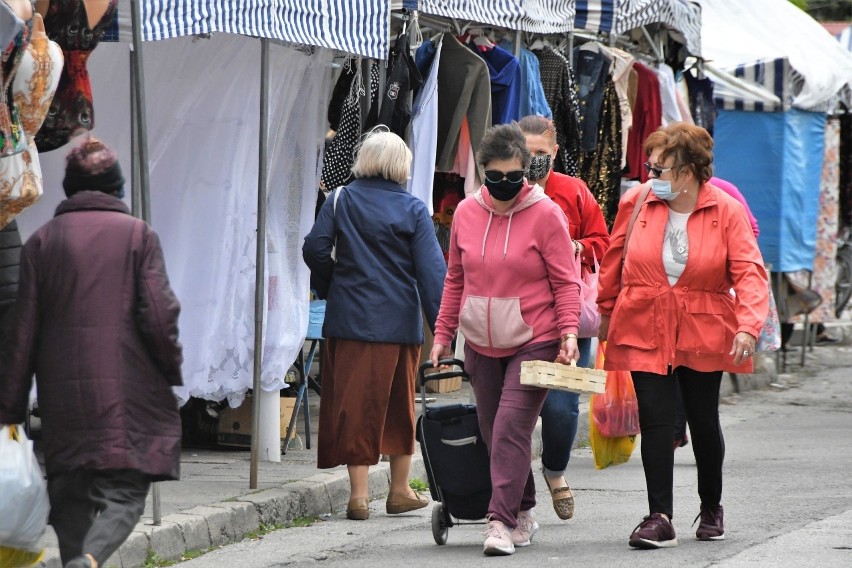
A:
x: 388, y: 269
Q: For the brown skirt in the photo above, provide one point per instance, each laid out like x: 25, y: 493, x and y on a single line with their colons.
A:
x: 367, y: 402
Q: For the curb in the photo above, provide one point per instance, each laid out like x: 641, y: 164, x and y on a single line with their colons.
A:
x: 204, y: 527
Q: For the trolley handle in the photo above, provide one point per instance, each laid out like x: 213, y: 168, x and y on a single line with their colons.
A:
x: 446, y: 374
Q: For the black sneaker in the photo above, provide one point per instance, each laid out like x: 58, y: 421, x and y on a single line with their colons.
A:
x: 655, y: 531
x: 712, y: 525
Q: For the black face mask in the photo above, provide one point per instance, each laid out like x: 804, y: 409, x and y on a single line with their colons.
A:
x: 504, y: 190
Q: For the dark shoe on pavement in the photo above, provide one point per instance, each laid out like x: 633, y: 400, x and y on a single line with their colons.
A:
x: 79, y: 562
x: 824, y: 339
x: 358, y: 509
x: 655, y: 531
x: 712, y: 525
x: 397, y: 504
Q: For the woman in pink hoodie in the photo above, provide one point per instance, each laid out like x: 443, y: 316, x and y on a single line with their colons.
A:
x: 513, y: 291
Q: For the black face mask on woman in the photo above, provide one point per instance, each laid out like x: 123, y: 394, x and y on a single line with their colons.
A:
x: 504, y: 186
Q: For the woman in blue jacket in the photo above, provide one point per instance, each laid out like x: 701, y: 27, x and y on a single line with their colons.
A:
x: 388, y: 270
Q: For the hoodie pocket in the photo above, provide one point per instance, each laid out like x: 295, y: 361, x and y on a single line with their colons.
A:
x: 473, y: 320
x: 508, y: 328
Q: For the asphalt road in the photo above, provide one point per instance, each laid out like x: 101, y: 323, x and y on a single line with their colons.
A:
x: 787, y: 499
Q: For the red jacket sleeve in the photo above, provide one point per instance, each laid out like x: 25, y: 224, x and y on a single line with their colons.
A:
x: 593, y: 234
x: 609, y: 277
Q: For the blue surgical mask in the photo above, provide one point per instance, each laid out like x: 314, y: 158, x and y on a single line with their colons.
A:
x: 663, y: 189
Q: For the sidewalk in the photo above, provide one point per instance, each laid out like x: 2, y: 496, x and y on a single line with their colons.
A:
x: 212, y: 504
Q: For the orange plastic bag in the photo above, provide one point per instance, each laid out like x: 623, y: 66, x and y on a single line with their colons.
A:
x: 607, y: 450
x: 616, y: 412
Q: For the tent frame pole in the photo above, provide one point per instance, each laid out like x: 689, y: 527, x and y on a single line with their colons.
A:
x: 142, y: 194
x: 260, y: 260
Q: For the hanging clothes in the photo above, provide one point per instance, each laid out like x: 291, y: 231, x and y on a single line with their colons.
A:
x: 622, y: 75
x: 340, y: 153
x: 32, y: 92
x: 845, y: 176
x: 701, y: 104
x: 647, y: 117
x: 558, y: 83
x: 464, y: 90
x: 504, y: 71
x: 67, y: 23
x: 601, y: 168
x: 424, y: 135
x: 668, y: 95
x: 592, y: 74
x: 10, y: 24
x: 12, y: 138
x: 532, y: 98
x: 404, y: 78
x: 341, y: 92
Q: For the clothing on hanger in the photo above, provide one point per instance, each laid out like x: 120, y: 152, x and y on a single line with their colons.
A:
x: 647, y: 117
x: 600, y: 168
x: 340, y: 152
x: 622, y: 71
x: 464, y: 89
x: 504, y: 71
x: 72, y: 109
x: 341, y: 91
x: 532, y: 98
x: 424, y: 135
x: 702, y: 107
x: 558, y: 83
x: 668, y: 97
x: 591, y: 75
x: 404, y: 78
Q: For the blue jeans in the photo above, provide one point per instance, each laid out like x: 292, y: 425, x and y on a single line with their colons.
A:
x: 559, y: 421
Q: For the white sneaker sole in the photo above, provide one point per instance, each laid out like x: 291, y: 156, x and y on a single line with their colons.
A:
x: 652, y: 544
x: 710, y: 538
x: 494, y: 550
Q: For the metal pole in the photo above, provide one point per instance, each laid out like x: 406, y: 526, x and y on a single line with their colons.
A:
x: 135, y: 194
x: 141, y: 122
x: 518, y: 44
x: 260, y: 261
x: 806, y: 329
x: 141, y: 155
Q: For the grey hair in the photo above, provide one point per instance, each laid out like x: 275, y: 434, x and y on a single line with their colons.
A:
x: 504, y: 142
x: 383, y: 154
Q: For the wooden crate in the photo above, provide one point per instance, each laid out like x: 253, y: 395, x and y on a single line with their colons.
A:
x: 235, y: 423
x: 563, y: 377
x: 444, y: 385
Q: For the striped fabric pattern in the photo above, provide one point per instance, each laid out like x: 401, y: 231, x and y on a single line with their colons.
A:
x: 776, y: 75
x: 359, y: 27
x: 536, y: 16
x: 621, y: 16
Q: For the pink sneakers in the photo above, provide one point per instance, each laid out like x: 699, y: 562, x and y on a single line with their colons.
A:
x: 498, y: 541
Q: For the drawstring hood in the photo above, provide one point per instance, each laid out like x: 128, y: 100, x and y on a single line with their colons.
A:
x: 529, y: 196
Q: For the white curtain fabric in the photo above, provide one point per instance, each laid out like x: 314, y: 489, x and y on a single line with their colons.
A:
x: 203, y: 124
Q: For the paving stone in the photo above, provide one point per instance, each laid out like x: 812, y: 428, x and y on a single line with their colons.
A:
x: 244, y: 517
x: 196, y: 533
x: 218, y: 523
x: 167, y: 541
x: 134, y: 551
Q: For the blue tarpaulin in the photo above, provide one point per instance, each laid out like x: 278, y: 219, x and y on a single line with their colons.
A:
x: 775, y: 159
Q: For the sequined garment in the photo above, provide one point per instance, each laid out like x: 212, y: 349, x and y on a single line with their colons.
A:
x: 561, y: 94
x: 601, y: 168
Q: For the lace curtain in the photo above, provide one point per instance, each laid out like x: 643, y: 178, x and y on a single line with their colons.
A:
x: 203, y: 120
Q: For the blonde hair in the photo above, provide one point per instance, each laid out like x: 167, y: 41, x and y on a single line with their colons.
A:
x: 383, y: 154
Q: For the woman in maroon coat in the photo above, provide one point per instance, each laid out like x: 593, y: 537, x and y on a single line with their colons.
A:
x: 96, y: 322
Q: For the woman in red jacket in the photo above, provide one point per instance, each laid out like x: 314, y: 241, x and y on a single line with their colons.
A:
x: 591, y: 239
x: 668, y: 315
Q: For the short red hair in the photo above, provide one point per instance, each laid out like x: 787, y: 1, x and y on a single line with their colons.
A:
x: 691, y: 147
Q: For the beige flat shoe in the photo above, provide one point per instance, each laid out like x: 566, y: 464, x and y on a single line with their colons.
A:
x: 358, y: 509
x: 397, y: 504
x: 563, y: 500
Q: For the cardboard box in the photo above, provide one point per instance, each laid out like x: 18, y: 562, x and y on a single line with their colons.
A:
x: 235, y: 423
x: 442, y: 386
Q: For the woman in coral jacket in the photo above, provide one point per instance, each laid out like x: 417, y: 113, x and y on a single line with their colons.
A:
x: 515, y: 295
x: 559, y: 415
x: 668, y: 315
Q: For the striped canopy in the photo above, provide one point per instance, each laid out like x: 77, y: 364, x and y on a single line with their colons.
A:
x: 536, y: 16
x: 621, y: 16
x: 360, y: 28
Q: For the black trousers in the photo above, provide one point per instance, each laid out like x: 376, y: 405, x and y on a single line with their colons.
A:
x: 93, y: 512
x: 657, y: 395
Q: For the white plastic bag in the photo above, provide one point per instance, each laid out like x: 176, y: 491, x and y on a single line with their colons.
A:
x: 23, y: 500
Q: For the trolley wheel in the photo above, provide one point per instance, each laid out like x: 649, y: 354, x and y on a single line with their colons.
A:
x: 439, y: 525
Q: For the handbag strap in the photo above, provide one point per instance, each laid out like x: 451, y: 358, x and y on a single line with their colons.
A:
x: 639, y: 202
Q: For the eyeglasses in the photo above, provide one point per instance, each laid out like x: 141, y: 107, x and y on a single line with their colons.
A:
x: 496, y: 176
x: 656, y: 171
